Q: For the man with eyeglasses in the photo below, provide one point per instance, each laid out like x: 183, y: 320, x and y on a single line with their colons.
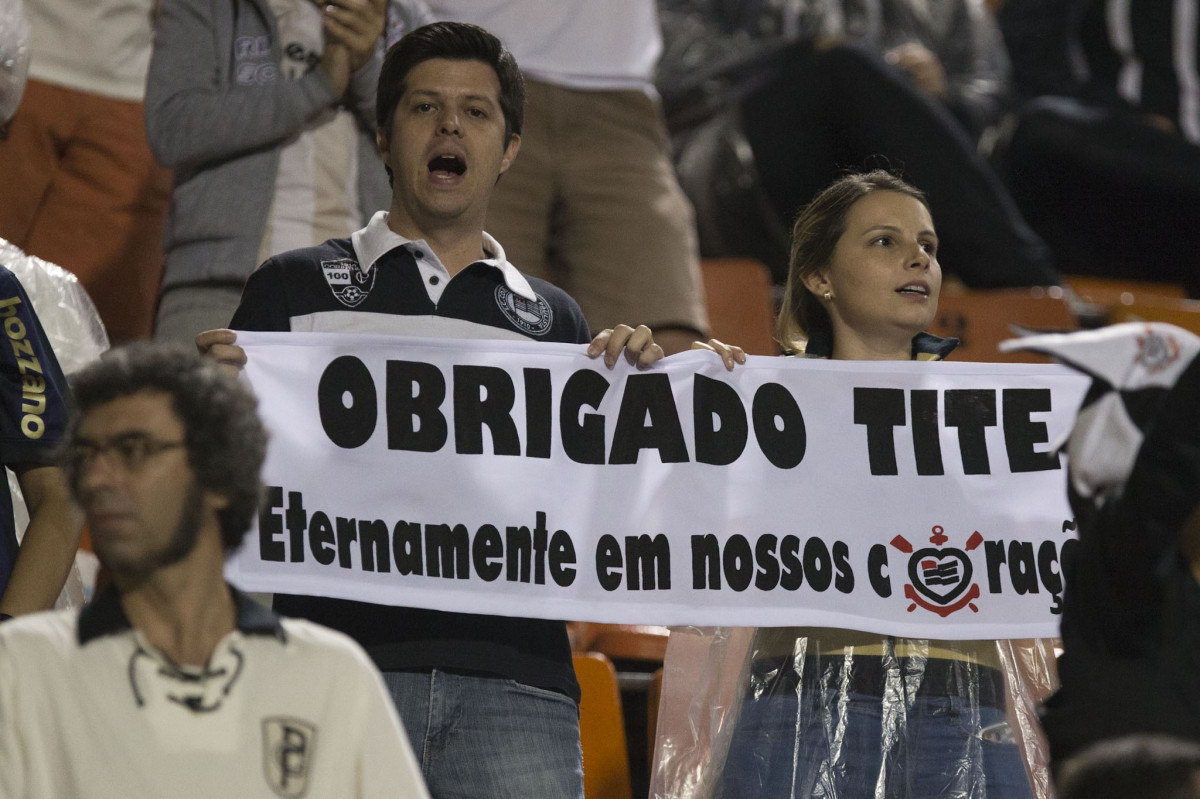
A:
x: 171, y: 682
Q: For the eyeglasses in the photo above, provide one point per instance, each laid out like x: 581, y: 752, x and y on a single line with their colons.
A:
x: 130, y: 451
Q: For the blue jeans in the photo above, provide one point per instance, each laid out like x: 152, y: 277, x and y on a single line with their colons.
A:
x: 489, y: 736
x: 835, y: 745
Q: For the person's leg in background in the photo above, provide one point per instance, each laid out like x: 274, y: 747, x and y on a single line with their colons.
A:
x: 1114, y: 195
x: 628, y: 233
x: 188, y: 310
x: 84, y: 192
x: 522, y: 204
x: 592, y: 204
x: 845, y: 107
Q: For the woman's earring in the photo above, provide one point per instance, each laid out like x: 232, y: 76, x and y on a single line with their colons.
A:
x: 828, y: 296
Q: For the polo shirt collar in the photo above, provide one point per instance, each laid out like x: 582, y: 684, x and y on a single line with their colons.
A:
x: 377, y: 239
x: 105, y: 616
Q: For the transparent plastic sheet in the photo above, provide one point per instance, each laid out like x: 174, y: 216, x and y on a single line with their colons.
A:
x: 77, y: 336
x: 841, y: 715
x: 14, y: 56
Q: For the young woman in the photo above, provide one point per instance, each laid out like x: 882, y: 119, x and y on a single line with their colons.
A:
x: 839, y: 713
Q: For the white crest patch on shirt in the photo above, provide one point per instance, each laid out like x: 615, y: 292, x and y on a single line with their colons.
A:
x: 288, y: 747
x: 347, y: 280
x: 533, y: 317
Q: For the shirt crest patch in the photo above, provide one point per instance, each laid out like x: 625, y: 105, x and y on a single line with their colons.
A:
x: 533, y: 317
x: 347, y: 281
x: 288, y: 747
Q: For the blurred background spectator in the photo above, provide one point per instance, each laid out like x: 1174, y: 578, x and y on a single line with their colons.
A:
x: 260, y: 107
x: 1035, y: 36
x: 81, y: 188
x: 1107, y: 167
x: 771, y: 101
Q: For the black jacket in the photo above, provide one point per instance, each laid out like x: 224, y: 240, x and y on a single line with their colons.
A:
x: 1131, y: 617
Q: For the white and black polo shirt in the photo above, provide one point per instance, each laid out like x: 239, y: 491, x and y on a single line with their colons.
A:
x: 380, y: 282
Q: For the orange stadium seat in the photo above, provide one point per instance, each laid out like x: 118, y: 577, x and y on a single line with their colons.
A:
x: 1184, y: 313
x: 984, y: 318
x: 601, y: 729
x: 653, y: 698
x: 1102, y: 297
x: 741, y: 304
x: 1115, y: 291
x: 645, y: 642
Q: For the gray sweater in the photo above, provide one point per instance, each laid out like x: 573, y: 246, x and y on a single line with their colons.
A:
x: 218, y: 110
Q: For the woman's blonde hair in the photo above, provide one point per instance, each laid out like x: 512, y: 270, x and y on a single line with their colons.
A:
x: 814, y: 237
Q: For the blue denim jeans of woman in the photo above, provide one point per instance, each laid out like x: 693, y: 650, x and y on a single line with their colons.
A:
x: 842, y: 745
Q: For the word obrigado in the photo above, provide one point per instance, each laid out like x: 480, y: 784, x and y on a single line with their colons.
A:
x: 415, y: 396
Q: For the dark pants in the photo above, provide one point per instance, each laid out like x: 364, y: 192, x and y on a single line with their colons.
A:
x: 825, y: 111
x: 1113, y: 195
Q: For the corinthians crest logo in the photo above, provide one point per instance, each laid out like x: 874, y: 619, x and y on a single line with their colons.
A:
x: 1157, y: 352
x: 347, y: 280
x: 940, y: 576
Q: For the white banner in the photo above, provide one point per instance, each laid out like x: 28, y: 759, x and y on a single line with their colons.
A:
x: 524, y: 479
